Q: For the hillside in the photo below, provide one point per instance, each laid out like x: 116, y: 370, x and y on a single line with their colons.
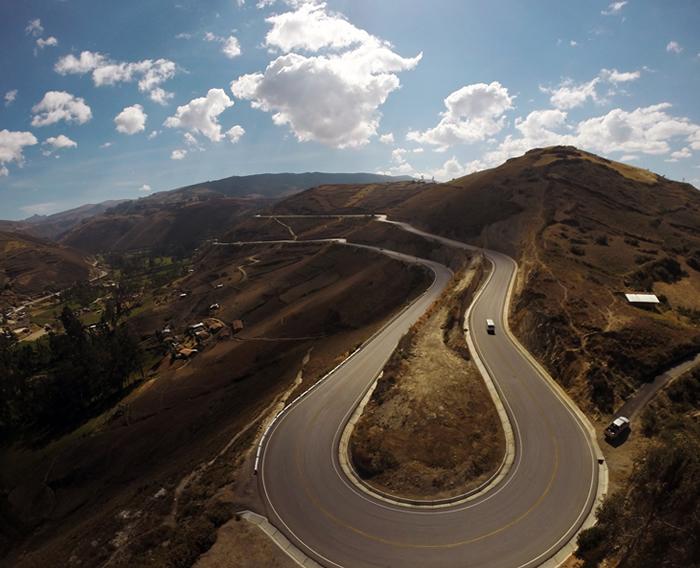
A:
x: 29, y: 265
x: 265, y: 185
x: 53, y: 226
x: 172, y: 228
x: 585, y: 230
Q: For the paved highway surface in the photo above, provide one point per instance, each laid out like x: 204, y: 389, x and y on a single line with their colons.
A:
x: 523, y: 521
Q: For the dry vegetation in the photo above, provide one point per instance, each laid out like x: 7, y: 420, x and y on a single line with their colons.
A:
x: 430, y: 429
x: 30, y: 266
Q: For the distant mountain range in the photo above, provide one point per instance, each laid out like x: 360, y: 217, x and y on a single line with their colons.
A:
x: 252, y: 187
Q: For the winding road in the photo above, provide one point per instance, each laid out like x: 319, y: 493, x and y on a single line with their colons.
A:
x: 532, y: 514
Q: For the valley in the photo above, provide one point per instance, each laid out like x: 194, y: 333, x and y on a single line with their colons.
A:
x: 229, y: 333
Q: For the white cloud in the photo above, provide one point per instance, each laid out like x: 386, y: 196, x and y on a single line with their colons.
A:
x: 235, y: 133
x: 334, y: 97
x: 34, y: 28
x: 150, y: 73
x: 674, y: 47
x: 615, y: 76
x: 60, y: 105
x: 387, y: 138
x: 178, y: 154
x: 12, y: 145
x: 645, y: 130
x: 160, y: 96
x: 131, y: 120
x: 4, y: 171
x: 60, y: 142
x: 614, y: 8
x: 311, y: 27
x: 573, y: 43
x: 629, y: 158
x: 191, y: 140
x: 72, y: 65
x: 183, y: 35
x: 694, y: 140
x: 681, y: 154
x: 231, y: 48
x: 41, y: 43
x: 153, y: 134
x: 105, y: 145
x: 571, y: 95
x: 10, y: 97
x: 472, y: 113
x: 145, y: 188
x: 201, y: 115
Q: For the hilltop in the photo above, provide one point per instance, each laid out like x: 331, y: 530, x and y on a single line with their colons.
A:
x: 585, y: 230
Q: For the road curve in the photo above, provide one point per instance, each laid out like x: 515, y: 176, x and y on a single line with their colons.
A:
x: 523, y: 521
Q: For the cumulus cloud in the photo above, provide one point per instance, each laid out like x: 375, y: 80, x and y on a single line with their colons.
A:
x: 615, y: 76
x: 614, y: 8
x: 387, y: 138
x: 4, y: 171
x: 331, y: 97
x: 34, y: 28
x: 201, y: 115
x: 131, y: 120
x: 145, y: 188
x: 570, y: 95
x: 235, y: 133
x: 105, y: 145
x: 472, y: 113
x: 59, y: 142
x: 60, y: 105
x: 681, y: 154
x: 311, y: 27
x: 230, y: 46
x: 12, y: 146
x: 178, y: 154
x: 674, y: 47
x: 645, y: 130
x: 150, y: 73
x: 10, y: 97
x: 51, y: 41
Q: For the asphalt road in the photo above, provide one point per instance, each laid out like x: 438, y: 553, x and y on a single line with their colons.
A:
x: 523, y: 521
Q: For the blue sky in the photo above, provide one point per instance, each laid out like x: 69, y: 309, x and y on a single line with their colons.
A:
x: 112, y: 100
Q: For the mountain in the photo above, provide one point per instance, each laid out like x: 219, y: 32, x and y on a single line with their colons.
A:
x: 180, y: 219
x: 265, y: 185
x: 585, y: 230
x: 29, y: 265
x: 53, y: 226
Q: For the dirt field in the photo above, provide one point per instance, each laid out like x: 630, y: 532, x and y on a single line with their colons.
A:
x: 430, y: 429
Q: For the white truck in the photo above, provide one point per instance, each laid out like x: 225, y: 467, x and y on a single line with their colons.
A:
x: 490, y: 327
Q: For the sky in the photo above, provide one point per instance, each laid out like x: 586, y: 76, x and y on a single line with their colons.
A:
x: 113, y: 100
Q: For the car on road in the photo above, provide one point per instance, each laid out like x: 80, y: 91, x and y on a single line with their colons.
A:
x: 490, y: 327
x: 617, y: 428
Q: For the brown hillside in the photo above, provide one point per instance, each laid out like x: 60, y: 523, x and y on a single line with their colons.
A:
x: 585, y: 230
x: 141, y: 225
x: 29, y: 265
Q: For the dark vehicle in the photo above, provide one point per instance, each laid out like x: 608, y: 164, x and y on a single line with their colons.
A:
x: 617, y: 428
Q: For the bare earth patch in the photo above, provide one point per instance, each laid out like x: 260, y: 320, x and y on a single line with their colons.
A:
x: 430, y: 429
x: 242, y: 544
